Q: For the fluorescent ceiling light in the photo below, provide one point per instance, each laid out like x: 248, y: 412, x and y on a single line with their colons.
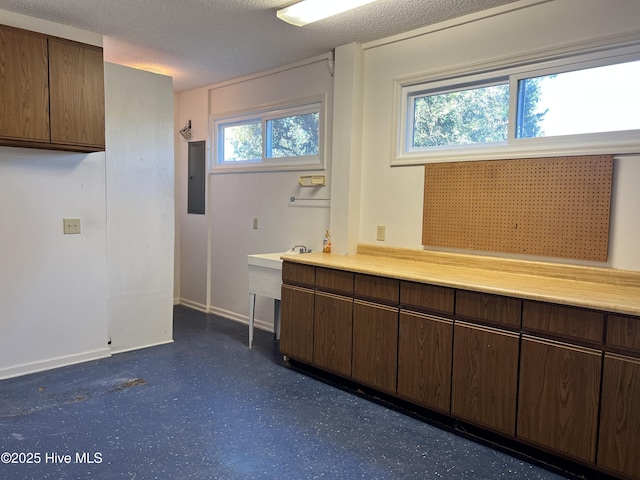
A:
x: 308, y: 11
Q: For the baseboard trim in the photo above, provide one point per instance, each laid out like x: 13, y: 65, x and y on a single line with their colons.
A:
x: 140, y: 347
x: 51, y: 363
x: 193, y: 305
x: 236, y: 317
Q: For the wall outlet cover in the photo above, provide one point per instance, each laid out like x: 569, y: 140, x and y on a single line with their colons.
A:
x: 71, y: 226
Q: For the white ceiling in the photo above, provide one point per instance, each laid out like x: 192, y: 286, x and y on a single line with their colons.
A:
x: 200, y: 42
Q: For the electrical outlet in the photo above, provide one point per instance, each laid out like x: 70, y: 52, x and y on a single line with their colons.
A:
x: 71, y: 225
x: 255, y: 223
x: 380, y: 232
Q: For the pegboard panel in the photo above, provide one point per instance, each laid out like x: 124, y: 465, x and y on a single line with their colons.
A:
x: 556, y: 207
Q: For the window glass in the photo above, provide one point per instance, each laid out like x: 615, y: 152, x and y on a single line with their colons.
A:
x: 292, y: 136
x: 462, y: 117
x: 602, y: 99
x: 242, y: 143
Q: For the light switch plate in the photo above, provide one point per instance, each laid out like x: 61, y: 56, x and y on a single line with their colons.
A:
x: 71, y: 225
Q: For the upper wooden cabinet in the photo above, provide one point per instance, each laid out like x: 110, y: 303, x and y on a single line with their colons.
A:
x: 76, y: 82
x: 51, y: 92
x: 24, y: 85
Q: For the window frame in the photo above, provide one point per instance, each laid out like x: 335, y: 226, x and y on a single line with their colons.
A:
x: 617, y: 142
x: 315, y: 104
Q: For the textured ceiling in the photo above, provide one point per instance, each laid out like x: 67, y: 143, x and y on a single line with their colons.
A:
x: 200, y: 42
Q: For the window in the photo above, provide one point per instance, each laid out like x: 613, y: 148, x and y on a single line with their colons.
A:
x: 283, y: 138
x: 590, y: 106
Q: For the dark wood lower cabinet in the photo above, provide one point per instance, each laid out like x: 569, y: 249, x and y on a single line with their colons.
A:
x: 375, y: 345
x: 619, y: 442
x: 528, y: 370
x: 485, y: 376
x: 559, y: 396
x: 424, y: 360
x: 333, y: 331
x: 296, y: 322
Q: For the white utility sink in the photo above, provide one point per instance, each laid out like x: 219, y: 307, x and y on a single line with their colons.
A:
x: 265, y: 278
x: 266, y: 260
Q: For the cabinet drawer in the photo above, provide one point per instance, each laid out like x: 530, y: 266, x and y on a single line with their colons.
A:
x: 624, y: 332
x: 419, y: 296
x: 379, y: 289
x: 489, y: 308
x: 337, y: 281
x: 567, y: 322
x: 298, y: 274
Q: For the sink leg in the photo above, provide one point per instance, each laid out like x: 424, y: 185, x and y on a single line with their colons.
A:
x: 252, y: 313
x: 276, y: 318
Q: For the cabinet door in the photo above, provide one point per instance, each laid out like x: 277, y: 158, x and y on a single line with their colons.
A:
x: 76, y: 81
x: 424, y: 360
x: 333, y: 327
x: 485, y: 376
x: 559, y: 397
x: 24, y: 85
x: 618, y: 445
x: 296, y: 323
x: 375, y: 345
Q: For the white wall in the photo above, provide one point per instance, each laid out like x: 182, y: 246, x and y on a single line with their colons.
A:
x: 55, y: 289
x: 346, y: 194
x: 193, y: 229
x: 140, y: 207
x: 393, y: 196
x: 214, y: 246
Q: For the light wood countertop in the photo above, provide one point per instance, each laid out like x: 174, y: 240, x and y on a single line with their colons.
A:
x: 589, y: 287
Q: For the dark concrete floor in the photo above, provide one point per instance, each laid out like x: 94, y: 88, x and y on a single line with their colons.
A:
x: 207, y: 407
